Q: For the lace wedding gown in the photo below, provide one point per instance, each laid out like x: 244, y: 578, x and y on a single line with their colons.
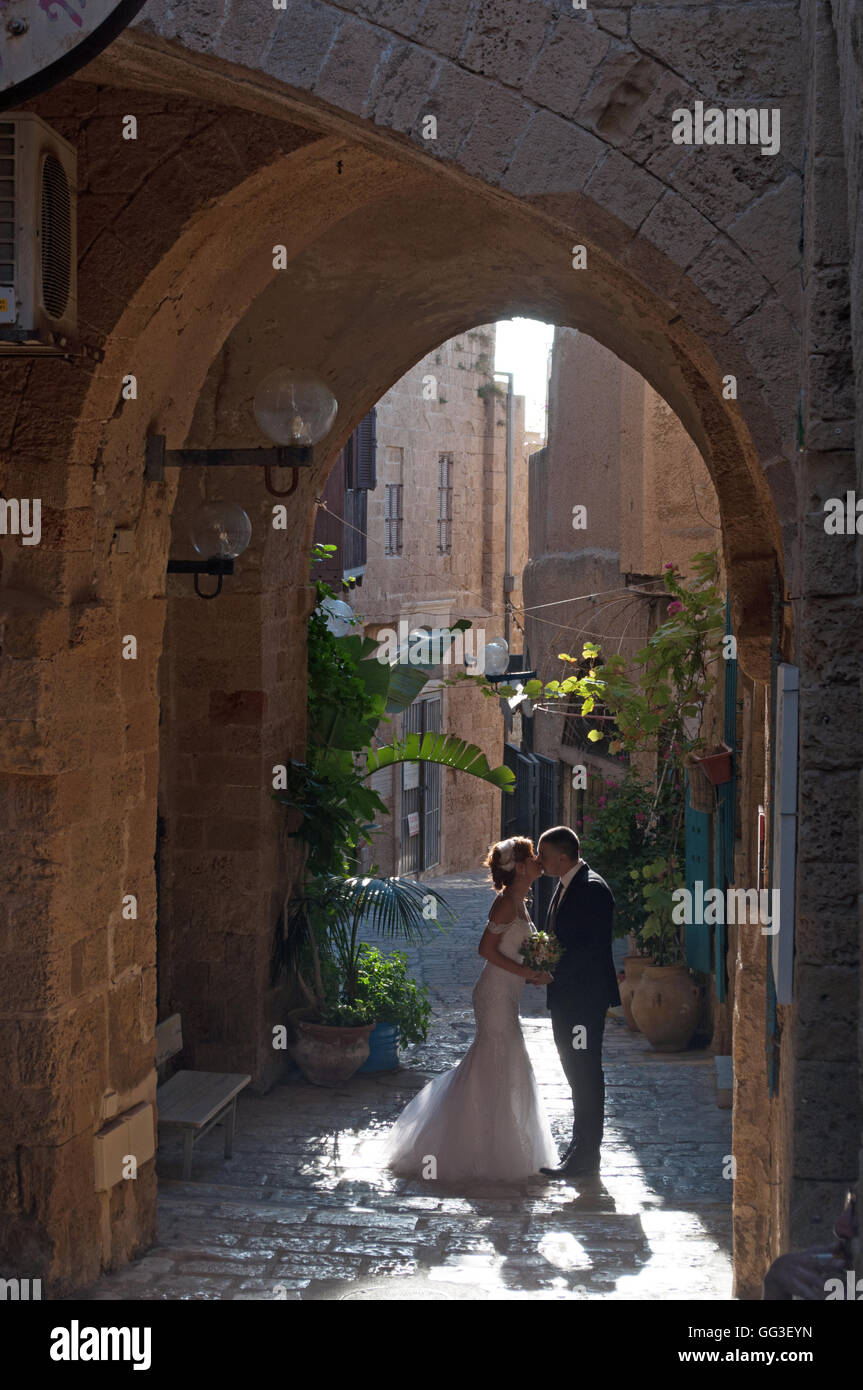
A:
x: 483, y: 1119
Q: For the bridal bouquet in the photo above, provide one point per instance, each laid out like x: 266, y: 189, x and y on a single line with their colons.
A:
x: 541, y: 951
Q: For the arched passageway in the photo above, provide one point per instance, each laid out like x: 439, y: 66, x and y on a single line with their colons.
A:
x: 387, y: 253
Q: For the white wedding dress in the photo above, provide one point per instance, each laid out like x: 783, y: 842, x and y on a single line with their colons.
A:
x: 483, y: 1119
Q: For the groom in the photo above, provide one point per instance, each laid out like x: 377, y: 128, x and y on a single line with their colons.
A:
x: 584, y: 985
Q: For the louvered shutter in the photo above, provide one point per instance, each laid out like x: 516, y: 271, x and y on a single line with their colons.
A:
x: 365, y: 452
x: 349, y: 453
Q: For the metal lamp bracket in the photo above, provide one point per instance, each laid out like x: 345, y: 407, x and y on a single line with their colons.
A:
x: 158, y: 458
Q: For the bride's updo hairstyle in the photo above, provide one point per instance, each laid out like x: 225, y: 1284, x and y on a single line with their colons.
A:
x: 503, y: 857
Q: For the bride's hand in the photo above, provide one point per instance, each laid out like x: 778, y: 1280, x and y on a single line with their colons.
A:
x: 540, y: 977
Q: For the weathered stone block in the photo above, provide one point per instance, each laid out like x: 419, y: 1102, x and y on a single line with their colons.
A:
x: 566, y: 65
x: 769, y: 230
x: 721, y: 182
x: 825, y: 938
x: 827, y: 1007
x: 815, y: 1207
x: 401, y: 95
x: 669, y: 239
x: 350, y: 67
x: 828, y: 827
x: 826, y: 1120
x: 623, y: 189
x: 614, y: 21
x: 504, y: 46
x: 828, y: 229
x: 830, y: 635
x: 831, y: 385
x: 32, y: 628
x: 553, y: 157
x: 709, y: 52
x: 727, y: 280
x: 495, y: 133
x: 302, y: 41
x: 454, y: 99
x: 239, y: 836
x: 825, y: 717
x: 830, y: 562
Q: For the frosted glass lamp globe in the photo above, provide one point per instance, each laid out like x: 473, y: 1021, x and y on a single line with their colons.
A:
x: 294, y: 408
x: 220, y: 530
x: 495, y: 657
x: 339, y: 615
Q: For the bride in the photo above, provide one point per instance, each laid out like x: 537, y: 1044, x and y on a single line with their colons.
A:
x: 484, y: 1118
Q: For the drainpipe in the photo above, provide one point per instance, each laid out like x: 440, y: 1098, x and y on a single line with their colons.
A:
x: 508, y: 577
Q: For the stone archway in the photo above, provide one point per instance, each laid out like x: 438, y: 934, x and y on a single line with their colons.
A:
x: 683, y: 283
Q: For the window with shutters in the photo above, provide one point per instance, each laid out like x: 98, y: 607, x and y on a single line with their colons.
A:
x: 393, y: 519
x: 444, y: 509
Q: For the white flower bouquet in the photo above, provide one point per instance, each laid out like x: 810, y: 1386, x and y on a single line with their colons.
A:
x: 541, y: 951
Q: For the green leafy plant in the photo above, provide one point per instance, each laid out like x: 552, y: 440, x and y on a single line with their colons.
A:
x: 491, y: 390
x: 621, y: 833
x: 657, y: 705
x: 660, y: 935
x: 332, y: 810
x: 390, y: 995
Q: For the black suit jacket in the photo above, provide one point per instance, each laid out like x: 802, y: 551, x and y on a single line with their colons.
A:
x: 585, y: 978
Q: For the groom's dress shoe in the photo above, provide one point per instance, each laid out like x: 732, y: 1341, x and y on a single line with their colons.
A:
x: 572, y: 1166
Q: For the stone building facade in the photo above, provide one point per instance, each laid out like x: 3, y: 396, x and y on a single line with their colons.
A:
x: 553, y: 188
x: 424, y: 572
x: 618, y: 492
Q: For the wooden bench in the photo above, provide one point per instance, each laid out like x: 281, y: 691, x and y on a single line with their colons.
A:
x: 194, y: 1101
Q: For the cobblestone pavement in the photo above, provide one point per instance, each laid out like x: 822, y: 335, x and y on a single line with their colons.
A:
x: 302, y: 1211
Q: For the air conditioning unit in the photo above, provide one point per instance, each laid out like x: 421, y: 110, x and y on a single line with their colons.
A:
x: 38, y: 242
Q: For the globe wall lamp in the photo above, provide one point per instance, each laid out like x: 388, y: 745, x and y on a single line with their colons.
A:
x: 340, y: 617
x: 294, y: 409
x: 220, y: 532
x: 496, y: 659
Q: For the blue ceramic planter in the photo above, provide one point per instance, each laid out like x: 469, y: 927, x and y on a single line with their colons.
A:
x: 383, y: 1048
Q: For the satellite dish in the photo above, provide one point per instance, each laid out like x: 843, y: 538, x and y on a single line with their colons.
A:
x: 42, y: 44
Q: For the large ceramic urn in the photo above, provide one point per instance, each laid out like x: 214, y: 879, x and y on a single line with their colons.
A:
x: 633, y: 967
x: 665, y: 1007
x: 327, y: 1056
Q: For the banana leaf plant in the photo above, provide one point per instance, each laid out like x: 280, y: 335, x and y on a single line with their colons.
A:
x: 445, y: 749
x: 351, y: 693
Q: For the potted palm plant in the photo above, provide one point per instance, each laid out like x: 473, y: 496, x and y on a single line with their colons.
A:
x: 347, y: 985
x: 332, y: 810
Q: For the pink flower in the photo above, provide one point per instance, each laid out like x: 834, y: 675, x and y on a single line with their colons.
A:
x: 669, y: 566
x: 675, y: 607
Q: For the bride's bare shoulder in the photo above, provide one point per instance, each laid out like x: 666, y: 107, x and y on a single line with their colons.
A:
x: 501, y: 910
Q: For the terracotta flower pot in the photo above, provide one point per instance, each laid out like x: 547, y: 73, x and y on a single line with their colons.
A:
x: 326, y: 1056
x: 634, y: 968
x: 665, y: 1007
x: 716, y: 765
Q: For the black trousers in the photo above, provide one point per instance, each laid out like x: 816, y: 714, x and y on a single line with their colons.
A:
x: 582, y: 1067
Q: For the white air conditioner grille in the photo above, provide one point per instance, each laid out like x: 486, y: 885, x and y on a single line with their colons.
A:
x: 56, y: 237
x: 7, y: 203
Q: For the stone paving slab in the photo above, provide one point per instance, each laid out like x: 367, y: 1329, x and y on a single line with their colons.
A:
x: 303, y: 1211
